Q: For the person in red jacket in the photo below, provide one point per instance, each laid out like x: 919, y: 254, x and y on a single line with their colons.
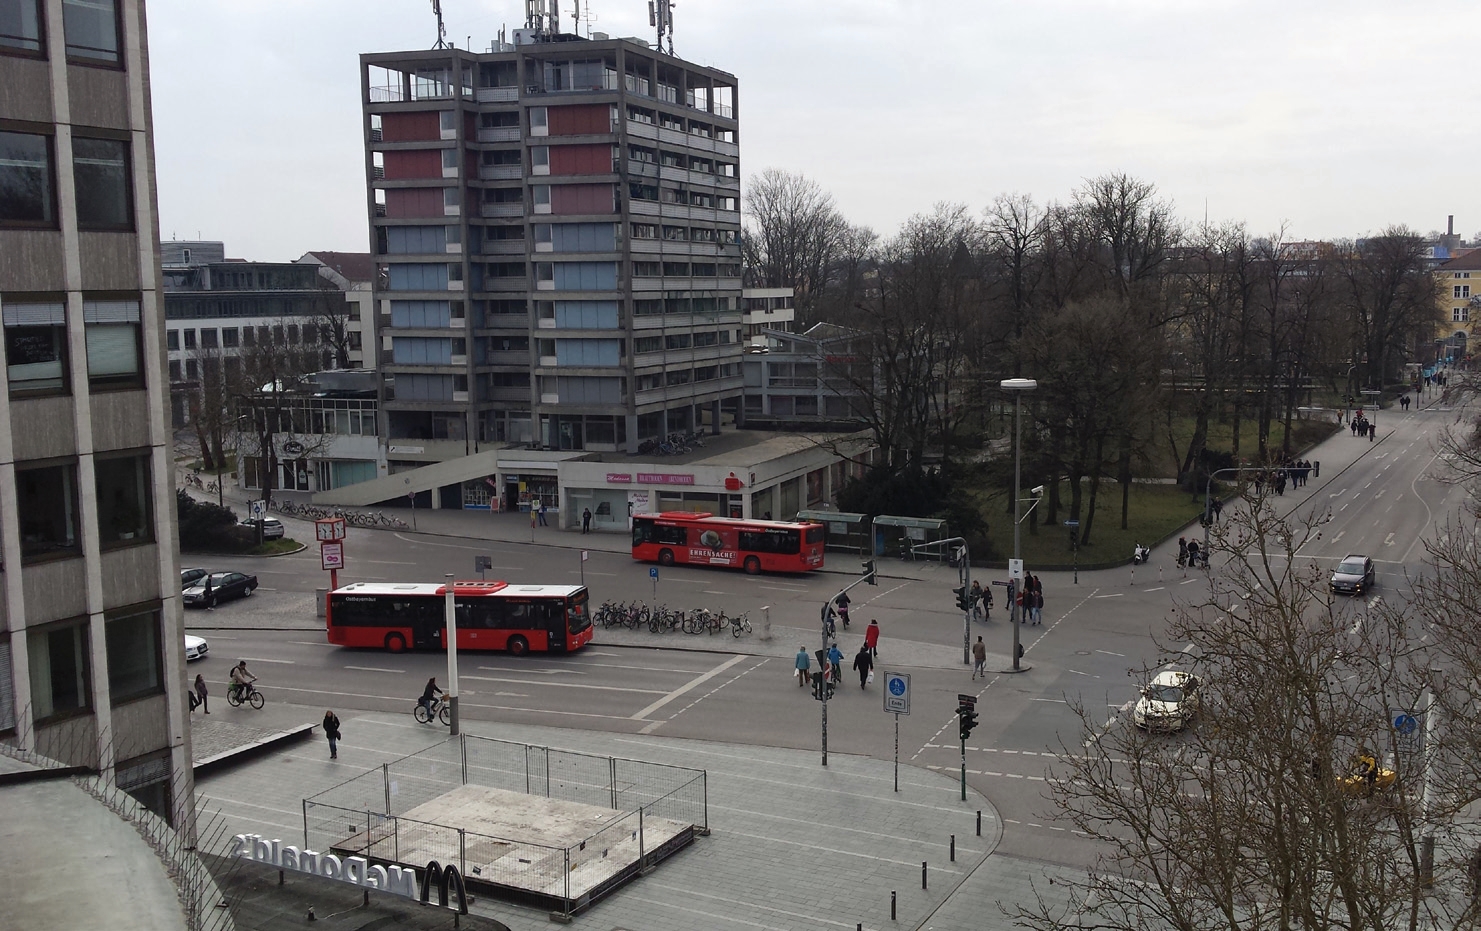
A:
x: 871, y: 638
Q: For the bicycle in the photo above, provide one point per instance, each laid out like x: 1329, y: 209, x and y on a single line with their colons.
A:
x: 245, y: 695
x: 435, y: 710
x: 740, y: 624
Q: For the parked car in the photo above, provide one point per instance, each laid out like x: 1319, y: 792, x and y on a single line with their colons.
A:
x: 224, y: 586
x: 1354, y: 575
x: 1168, y: 702
x: 272, y: 528
x: 195, y: 647
x: 189, y: 577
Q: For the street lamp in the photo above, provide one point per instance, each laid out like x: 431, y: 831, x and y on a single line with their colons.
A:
x: 1018, y: 386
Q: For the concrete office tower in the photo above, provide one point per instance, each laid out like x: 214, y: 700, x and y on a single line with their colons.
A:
x: 557, y: 227
x: 91, y: 664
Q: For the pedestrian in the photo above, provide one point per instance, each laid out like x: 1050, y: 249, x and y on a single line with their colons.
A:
x: 200, y: 692
x: 979, y: 659
x: 835, y: 661
x: 871, y: 637
x: 1354, y: 423
x: 975, y: 597
x: 1218, y: 508
x: 194, y: 699
x: 542, y: 515
x: 586, y: 521
x: 331, y: 731
x: 804, y: 666
x: 1038, y: 600
x: 1372, y: 432
x: 1182, y: 552
x: 864, y: 663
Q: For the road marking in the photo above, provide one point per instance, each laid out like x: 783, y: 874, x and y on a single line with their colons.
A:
x: 1187, y: 581
x: 384, y: 562
x: 697, y: 680
x: 1188, y: 648
x: 566, y: 685
x: 280, y: 662
x: 536, y: 672
x: 302, y: 643
x: 711, y: 591
x: 377, y: 669
x: 1388, y: 540
x: 1339, y: 533
x: 1058, y: 700
x: 1109, y: 653
x: 1113, y: 595
x: 1157, y: 589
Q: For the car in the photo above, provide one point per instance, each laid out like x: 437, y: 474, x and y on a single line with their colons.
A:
x: 1354, y: 575
x: 272, y: 528
x: 224, y: 586
x: 189, y: 577
x: 195, y: 647
x: 1168, y: 702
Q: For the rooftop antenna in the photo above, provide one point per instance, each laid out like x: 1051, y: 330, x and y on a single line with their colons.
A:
x: 661, y: 16
x: 537, y: 18
x: 441, y: 29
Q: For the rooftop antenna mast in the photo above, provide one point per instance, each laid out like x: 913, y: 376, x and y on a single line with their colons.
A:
x: 661, y: 16
x: 537, y: 18
x: 441, y: 29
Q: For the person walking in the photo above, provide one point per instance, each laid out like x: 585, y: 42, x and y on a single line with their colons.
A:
x: 864, y: 664
x: 975, y: 598
x: 1038, y: 600
x: 871, y: 638
x: 979, y: 659
x: 541, y: 514
x: 586, y: 521
x: 1182, y: 552
x: 331, y: 731
x: 835, y: 661
x: 804, y: 666
x: 201, y: 692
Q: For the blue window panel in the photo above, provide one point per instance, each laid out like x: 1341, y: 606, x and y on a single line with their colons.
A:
x: 585, y: 276
x: 575, y: 390
x: 350, y: 472
x: 429, y: 314
x: 586, y: 315
x: 584, y: 237
x: 588, y: 352
x: 424, y: 387
x: 417, y: 277
x: 415, y: 240
x: 410, y: 350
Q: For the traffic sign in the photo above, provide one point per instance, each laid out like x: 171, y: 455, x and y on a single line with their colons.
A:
x: 331, y: 555
x: 897, y: 692
x: 1406, y: 724
x: 966, y: 699
x: 1072, y: 523
x: 653, y: 573
x: 1015, y: 569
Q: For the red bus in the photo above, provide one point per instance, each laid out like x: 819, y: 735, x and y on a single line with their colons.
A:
x: 491, y: 616
x: 704, y: 540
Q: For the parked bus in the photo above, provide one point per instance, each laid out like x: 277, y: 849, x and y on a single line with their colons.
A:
x: 491, y: 616
x: 753, y: 545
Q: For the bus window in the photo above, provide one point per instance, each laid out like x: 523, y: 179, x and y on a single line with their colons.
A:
x: 815, y: 534
x: 576, y: 612
x: 770, y: 541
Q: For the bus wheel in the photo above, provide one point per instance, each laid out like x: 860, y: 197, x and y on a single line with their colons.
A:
x: 753, y: 566
x: 665, y: 557
x: 395, y: 643
x: 518, y: 646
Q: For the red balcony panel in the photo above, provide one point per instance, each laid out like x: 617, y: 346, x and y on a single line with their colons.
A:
x: 579, y: 120
x: 581, y: 159
x: 418, y: 163
x: 414, y: 202
x: 582, y: 198
x: 410, y: 127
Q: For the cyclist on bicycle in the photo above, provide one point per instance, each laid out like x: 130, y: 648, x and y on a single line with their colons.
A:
x: 241, y: 679
x: 843, y: 603
x: 429, y: 695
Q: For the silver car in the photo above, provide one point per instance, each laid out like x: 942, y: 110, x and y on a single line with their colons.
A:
x: 1168, y: 702
x: 1354, y: 575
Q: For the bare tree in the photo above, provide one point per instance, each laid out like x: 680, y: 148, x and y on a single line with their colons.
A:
x: 794, y: 233
x: 1390, y: 296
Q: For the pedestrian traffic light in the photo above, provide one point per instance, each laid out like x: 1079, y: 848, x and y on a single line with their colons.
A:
x: 869, y: 572
x: 963, y: 599
x: 966, y: 719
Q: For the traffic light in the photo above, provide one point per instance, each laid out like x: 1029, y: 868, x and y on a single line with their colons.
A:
x: 963, y: 599
x: 869, y: 572
x: 966, y: 719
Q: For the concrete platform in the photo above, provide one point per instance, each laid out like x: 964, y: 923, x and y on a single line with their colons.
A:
x: 214, y: 744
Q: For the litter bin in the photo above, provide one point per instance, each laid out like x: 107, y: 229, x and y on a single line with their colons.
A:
x: 321, y: 602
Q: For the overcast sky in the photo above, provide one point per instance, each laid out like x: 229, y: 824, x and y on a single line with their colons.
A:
x: 1336, y: 119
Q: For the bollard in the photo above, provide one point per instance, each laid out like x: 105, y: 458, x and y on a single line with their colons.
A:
x: 892, y: 905
x: 953, y: 849
x: 923, y: 874
x: 979, y: 822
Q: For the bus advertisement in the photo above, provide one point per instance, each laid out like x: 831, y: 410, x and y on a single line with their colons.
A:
x: 704, y: 540
x: 399, y: 616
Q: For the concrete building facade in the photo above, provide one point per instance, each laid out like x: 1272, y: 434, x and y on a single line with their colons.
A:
x: 91, y: 652
x: 557, y: 226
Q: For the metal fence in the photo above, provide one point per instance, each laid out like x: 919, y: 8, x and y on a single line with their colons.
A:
x: 367, y: 814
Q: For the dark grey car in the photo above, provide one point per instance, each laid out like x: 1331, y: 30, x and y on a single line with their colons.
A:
x: 1354, y: 575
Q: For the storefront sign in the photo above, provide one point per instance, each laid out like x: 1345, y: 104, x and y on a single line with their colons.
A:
x: 407, y: 450
x: 618, y: 478
x: 293, y: 448
x: 664, y: 478
x: 355, y: 871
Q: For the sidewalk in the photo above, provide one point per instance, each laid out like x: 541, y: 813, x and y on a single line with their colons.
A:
x: 793, y: 844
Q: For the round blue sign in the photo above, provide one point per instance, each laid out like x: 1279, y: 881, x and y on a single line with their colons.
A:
x: 1406, y: 724
x: 897, y: 686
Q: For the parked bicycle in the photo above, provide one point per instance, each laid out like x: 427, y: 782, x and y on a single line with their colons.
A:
x: 435, y: 710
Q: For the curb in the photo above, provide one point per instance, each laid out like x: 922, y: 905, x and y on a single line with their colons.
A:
x: 247, y: 751
x: 212, y: 553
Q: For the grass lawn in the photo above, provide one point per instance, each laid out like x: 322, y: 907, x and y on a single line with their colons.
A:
x: 1156, y: 512
x: 273, y: 547
x: 1304, y: 434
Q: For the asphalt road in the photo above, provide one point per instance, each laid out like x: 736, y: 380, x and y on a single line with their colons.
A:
x: 1097, y: 640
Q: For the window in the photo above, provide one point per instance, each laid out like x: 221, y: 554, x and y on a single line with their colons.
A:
x: 229, y: 337
x: 645, y: 269
x: 134, y: 666
x: 174, y: 370
x: 92, y: 29
x: 539, y: 121
x: 645, y: 231
x: 47, y: 502
x: 208, y: 338
x: 190, y: 339
x: 675, y: 233
x: 100, y: 169
x: 27, y: 192
x: 124, y: 511
x: 647, y: 344
x: 1460, y: 315
x: 113, y: 343
x: 540, y: 160
x: 172, y: 340
x: 192, y: 370
x: 638, y: 191
x: 36, y: 347
x: 20, y: 25
x: 1462, y: 290
x: 676, y: 268
x: 59, y: 669
x: 676, y: 341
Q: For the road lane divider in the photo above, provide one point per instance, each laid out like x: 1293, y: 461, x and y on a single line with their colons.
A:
x: 691, y: 684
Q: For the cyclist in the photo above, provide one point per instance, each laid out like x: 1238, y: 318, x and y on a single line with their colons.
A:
x: 241, y: 679
x: 429, y: 695
x: 843, y: 603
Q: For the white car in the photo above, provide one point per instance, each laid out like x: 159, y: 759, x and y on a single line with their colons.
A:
x: 195, y: 647
x: 1168, y: 702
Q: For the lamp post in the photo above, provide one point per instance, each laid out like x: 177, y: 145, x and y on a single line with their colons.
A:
x: 1018, y: 386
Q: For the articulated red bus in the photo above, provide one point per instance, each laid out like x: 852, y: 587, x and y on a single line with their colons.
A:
x: 491, y: 616
x: 753, y: 545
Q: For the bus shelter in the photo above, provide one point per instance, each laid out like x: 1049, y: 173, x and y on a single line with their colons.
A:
x: 894, y: 536
x: 846, y: 531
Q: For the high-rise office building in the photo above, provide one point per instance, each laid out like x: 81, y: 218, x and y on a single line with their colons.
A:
x: 557, y: 227
x: 91, y: 664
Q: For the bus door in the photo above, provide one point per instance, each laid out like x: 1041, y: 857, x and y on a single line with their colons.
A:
x: 427, y: 624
